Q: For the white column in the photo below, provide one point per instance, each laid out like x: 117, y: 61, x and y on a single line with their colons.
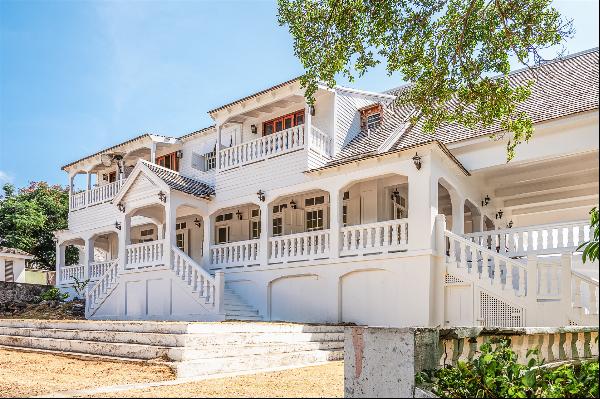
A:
x: 458, y: 213
x: 421, y: 206
x: 153, y: 152
x: 207, y: 226
x: 219, y: 291
x: 60, y: 260
x: 265, y: 229
x: 335, y: 223
x: 438, y: 296
x: 307, y: 126
x: 532, y: 287
x: 89, y: 257
x: 71, y: 177
x: 566, y: 295
x: 124, y: 241
x: 218, y: 148
x: 170, y: 220
x: 88, y: 187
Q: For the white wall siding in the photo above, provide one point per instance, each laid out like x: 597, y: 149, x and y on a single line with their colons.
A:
x: 347, y: 118
x: 185, y: 163
x: 93, y: 217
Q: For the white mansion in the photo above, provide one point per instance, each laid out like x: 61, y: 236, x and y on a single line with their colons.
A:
x: 345, y: 212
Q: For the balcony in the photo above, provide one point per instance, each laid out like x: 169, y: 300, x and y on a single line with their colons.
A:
x: 274, y: 145
x: 95, y: 196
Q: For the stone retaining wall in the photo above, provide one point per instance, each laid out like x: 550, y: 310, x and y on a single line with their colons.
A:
x: 382, y: 362
x: 16, y: 296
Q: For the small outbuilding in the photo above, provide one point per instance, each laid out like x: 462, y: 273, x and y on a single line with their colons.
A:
x: 12, y: 264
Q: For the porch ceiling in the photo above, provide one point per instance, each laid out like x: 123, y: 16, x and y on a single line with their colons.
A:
x: 545, y: 185
x: 270, y: 108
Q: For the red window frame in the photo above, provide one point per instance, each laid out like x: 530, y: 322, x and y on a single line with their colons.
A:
x: 368, y: 111
x: 278, y: 124
x: 171, y: 159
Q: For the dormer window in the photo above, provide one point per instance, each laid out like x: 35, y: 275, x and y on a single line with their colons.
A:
x: 169, y: 161
x: 370, y: 117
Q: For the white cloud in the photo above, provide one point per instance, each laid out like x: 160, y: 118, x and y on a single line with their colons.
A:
x: 5, y: 177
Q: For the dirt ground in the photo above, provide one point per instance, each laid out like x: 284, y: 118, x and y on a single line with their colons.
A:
x: 309, y: 382
x: 48, y: 311
x: 30, y: 373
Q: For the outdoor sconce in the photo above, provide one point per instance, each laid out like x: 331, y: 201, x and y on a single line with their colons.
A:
x: 162, y: 196
x: 104, y: 177
x: 510, y: 224
x: 117, y: 225
x: 179, y: 154
x: 486, y: 200
x: 198, y: 222
x: 311, y: 110
x: 293, y: 204
x: 121, y: 207
x: 417, y: 161
x: 261, y: 195
x: 239, y: 215
x: 499, y: 214
x: 253, y: 129
x: 395, y: 195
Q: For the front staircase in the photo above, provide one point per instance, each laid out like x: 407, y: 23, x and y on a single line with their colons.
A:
x: 209, y: 289
x: 510, y: 290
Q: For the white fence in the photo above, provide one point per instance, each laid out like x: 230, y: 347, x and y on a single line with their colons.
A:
x: 542, y: 239
x: 240, y: 253
x: 96, y: 195
x: 146, y: 254
x: 262, y: 148
x: 302, y: 246
x: 391, y: 235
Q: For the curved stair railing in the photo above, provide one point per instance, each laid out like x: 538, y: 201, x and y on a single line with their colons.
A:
x: 101, y: 289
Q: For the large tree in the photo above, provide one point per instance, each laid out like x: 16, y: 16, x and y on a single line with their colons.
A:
x: 29, y: 217
x: 454, y: 52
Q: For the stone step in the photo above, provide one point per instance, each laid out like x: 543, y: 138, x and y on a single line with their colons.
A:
x: 173, y: 327
x: 237, y: 306
x: 241, y: 312
x: 196, y: 368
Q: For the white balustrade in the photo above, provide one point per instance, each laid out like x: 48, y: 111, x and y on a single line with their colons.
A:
x: 67, y: 274
x: 302, y: 246
x: 103, y: 193
x: 262, y: 148
x: 391, y: 235
x: 585, y: 293
x: 549, y: 279
x: 146, y: 254
x: 198, y: 279
x: 542, y: 239
x: 97, y: 269
x: 96, y: 292
x: 78, y: 200
x: 320, y: 142
x: 240, y: 253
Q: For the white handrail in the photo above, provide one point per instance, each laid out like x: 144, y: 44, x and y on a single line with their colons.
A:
x: 320, y: 142
x: 239, y: 253
x: 540, y: 239
x: 196, y: 277
x: 97, y: 291
x: 67, y: 274
x: 262, y: 148
x: 373, y: 237
x: 301, y: 246
x: 97, y: 269
x: 145, y: 254
x: 103, y: 193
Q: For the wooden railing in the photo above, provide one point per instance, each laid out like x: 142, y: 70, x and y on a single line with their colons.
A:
x: 240, y: 253
x: 320, y: 142
x: 100, y: 290
x: 302, y: 246
x: 67, y: 274
x: 543, y: 239
x: 391, y: 235
x: 97, y: 269
x: 96, y: 195
x: 198, y: 279
x: 146, y: 254
x: 262, y: 148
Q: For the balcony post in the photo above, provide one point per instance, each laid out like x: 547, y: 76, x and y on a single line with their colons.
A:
x: 566, y: 294
x: 422, y: 206
x: 335, y: 222
x: 265, y: 228
x: 307, y: 126
x: 60, y: 261
x: 153, y: 152
x: 71, y: 177
x: 170, y: 220
x: 88, y: 187
x: 124, y: 241
x: 220, y: 291
x: 207, y: 225
x: 89, y: 257
x: 218, y: 149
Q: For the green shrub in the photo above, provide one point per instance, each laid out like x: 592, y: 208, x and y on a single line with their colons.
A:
x: 54, y: 294
x: 495, y: 373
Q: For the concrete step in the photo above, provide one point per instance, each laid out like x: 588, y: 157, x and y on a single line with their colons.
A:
x: 196, y: 368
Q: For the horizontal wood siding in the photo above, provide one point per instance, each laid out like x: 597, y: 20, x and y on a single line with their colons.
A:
x: 348, y: 118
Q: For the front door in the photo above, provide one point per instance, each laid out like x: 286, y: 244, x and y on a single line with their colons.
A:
x: 459, y: 305
x: 181, y: 239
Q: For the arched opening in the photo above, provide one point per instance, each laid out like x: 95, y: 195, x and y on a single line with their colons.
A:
x: 445, y: 204
x: 472, y: 218
x: 189, y: 231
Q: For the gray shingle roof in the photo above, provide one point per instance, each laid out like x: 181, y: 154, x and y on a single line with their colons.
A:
x: 181, y: 183
x: 564, y: 87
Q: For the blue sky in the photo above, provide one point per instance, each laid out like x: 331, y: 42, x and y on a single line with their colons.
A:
x: 79, y: 76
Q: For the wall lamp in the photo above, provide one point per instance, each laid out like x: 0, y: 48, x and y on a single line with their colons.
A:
x: 261, y: 195
x: 486, y: 200
x: 395, y: 195
x: 121, y: 207
x: 239, y: 215
x: 117, y: 225
x: 162, y: 196
x: 417, y: 161
x: 499, y: 214
x: 253, y: 129
x: 293, y: 204
x: 179, y: 154
x: 311, y: 110
x: 198, y: 222
x: 510, y: 224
